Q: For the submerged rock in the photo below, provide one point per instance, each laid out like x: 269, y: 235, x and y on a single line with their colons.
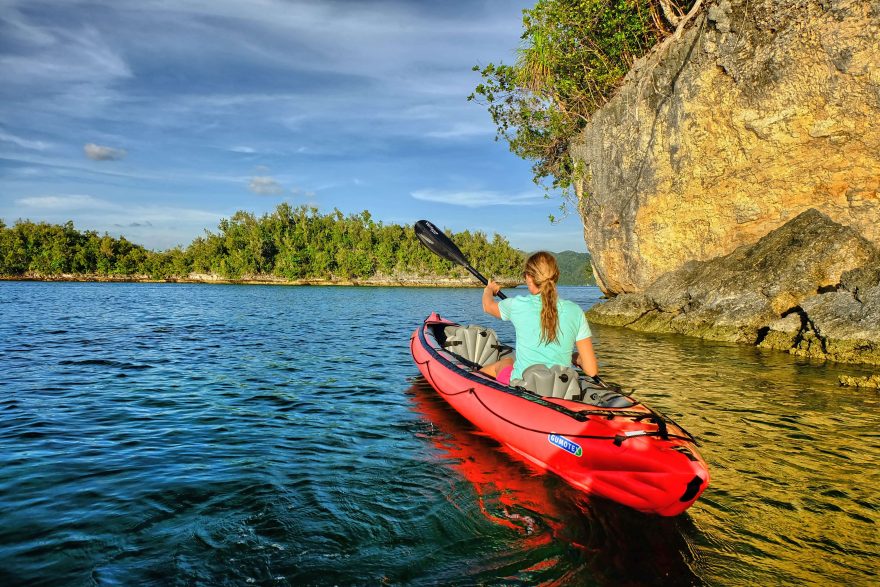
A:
x: 872, y: 381
x: 811, y: 287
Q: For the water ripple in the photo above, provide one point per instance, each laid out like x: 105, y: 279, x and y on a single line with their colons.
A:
x: 155, y: 434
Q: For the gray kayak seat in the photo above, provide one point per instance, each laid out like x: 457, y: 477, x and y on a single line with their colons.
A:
x: 604, y: 397
x: 557, y: 381
x: 475, y: 343
x: 565, y: 382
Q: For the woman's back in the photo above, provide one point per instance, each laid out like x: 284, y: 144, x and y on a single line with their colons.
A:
x: 532, y: 348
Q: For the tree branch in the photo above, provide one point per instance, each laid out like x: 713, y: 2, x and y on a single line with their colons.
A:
x: 669, y: 13
x: 680, y: 28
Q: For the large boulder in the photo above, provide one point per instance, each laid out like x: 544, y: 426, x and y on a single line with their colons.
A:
x: 811, y: 286
x: 758, y: 111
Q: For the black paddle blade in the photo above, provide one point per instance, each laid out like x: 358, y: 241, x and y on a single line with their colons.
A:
x: 438, y: 243
x: 441, y: 245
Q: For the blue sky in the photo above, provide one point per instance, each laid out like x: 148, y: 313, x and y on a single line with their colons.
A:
x: 154, y: 119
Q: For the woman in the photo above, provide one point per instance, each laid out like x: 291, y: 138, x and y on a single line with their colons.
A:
x: 546, y: 327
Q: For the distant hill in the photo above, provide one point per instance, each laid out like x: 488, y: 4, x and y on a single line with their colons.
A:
x: 574, y: 268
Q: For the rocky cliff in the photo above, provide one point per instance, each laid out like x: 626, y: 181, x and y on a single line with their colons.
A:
x: 758, y: 111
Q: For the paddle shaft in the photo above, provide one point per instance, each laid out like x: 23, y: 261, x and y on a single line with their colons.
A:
x: 484, y: 281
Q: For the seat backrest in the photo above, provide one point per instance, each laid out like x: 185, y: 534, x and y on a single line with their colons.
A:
x: 475, y: 343
x: 558, y: 381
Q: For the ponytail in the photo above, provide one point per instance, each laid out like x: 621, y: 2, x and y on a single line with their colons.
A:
x: 544, y: 271
x: 549, y: 312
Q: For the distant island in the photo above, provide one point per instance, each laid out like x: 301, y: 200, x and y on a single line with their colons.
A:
x: 293, y: 245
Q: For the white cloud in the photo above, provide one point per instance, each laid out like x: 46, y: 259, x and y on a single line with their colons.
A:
x: 460, y: 130
x: 303, y: 192
x: 478, y: 199
x: 63, y: 57
x: 23, y: 143
x: 146, y: 224
x: 64, y: 202
x: 265, y: 186
x: 102, y: 153
x: 113, y: 213
x: 243, y: 149
x: 154, y: 226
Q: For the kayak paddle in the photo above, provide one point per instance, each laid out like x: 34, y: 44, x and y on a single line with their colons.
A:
x: 441, y: 245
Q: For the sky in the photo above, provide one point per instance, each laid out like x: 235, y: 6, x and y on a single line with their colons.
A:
x: 155, y: 119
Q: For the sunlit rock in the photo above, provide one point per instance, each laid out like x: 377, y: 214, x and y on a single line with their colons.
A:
x: 759, y: 111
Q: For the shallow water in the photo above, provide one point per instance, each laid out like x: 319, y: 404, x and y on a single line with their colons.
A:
x: 208, y: 434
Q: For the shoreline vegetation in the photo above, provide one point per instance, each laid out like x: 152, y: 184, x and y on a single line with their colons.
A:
x: 289, y: 246
x: 374, y: 281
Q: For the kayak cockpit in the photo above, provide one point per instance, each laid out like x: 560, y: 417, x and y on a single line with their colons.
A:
x: 468, y: 348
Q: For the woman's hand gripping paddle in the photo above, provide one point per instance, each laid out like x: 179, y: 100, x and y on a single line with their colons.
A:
x: 438, y: 243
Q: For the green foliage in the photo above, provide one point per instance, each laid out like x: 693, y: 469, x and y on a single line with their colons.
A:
x: 49, y: 249
x: 574, y: 268
x: 290, y: 243
x: 574, y: 53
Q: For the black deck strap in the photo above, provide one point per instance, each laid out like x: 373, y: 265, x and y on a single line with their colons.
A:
x: 437, y: 387
x: 659, y: 420
x: 449, y: 343
x: 680, y: 427
x: 612, y: 413
x: 411, y: 341
x: 453, y: 394
x: 685, y: 451
x: 621, y: 436
x: 473, y: 366
x: 581, y: 415
x: 518, y: 425
x: 661, y: 425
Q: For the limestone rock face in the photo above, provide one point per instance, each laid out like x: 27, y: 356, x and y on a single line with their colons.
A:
x: 811, y: 287
x: 759, y: 111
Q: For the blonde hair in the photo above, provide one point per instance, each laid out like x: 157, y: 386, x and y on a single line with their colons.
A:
x: 544, y: 271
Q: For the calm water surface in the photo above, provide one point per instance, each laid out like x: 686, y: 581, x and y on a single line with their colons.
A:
x: 204, y: 435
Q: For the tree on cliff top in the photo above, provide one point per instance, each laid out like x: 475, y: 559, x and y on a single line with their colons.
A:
x: 573, y: 55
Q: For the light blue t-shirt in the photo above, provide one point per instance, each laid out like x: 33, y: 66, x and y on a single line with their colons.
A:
x: 525, y: 314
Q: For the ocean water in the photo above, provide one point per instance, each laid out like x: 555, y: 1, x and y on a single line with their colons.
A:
x: 156, y: 434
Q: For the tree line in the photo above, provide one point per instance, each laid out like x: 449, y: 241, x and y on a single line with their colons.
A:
x: 294, y: 243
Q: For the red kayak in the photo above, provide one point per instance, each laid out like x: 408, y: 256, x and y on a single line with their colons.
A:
x: 605, y: 444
